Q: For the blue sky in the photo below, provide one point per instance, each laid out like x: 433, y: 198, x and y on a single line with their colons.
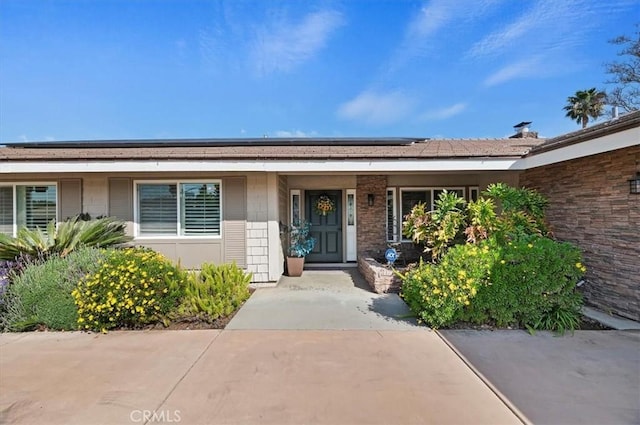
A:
x: 75, y: 70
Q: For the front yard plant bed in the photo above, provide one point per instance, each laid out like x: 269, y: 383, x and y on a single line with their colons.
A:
x: 496, y: 266
x: 95, y: 289
x: 586, y: 324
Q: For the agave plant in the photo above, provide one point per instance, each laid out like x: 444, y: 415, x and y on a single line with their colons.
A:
x: 64, y: 238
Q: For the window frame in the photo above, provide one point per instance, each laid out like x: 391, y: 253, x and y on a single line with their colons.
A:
x: 292, y: 217
x: 394, y: 207
x: 431, y: 190
x: 14, y: 193
x: 177, y: 183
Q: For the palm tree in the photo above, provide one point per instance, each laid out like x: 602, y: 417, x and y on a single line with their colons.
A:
x: 585, y: 104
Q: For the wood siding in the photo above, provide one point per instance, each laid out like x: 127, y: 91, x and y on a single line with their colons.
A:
x: 234, y: 204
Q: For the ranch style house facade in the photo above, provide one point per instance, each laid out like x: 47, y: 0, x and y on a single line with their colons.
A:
x: 224, y: 200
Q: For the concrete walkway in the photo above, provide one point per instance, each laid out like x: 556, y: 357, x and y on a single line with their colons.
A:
x: 323, y: 299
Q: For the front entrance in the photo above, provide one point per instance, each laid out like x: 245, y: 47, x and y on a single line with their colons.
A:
x: 326, y: 229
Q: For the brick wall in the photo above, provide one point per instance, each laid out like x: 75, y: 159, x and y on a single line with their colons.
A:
x: 371, y: 220
x: 590, y: 205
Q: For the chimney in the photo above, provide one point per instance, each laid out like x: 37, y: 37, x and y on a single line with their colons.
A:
x: 614, y: 113
x: 522, y: 131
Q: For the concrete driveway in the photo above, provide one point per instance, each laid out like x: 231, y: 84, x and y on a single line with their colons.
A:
x: 241, y: 377
x: 317, y: 350
x: 320, y: 350
x: 588, y: 377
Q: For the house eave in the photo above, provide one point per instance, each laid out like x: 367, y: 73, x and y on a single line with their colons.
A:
x: 279, y: 166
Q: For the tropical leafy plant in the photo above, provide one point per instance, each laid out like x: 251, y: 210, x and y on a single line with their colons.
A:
x: 522, y: 211
x: 585, y: 104
x: 436, y: 229
x: 63, y: 238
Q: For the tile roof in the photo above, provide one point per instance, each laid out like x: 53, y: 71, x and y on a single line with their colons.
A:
x: 322, y: 150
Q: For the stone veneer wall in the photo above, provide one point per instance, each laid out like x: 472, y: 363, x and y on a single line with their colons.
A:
x: 371, y: 223
x: 590, y: 205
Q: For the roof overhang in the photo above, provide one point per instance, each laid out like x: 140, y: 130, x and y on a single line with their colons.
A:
x: 605, y: 143
x: 289, y: 166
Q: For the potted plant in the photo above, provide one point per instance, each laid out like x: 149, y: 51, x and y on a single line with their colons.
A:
x: 298, y: 244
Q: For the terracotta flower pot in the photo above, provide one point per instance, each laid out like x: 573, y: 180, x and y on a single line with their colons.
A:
x: 295, y: 265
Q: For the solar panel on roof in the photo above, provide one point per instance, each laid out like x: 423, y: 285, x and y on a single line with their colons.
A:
x: 353, y: 141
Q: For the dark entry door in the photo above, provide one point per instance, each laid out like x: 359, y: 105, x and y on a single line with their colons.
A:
x: 326, y: 229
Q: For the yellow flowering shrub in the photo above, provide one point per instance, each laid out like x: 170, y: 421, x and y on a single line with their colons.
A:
x: 132, y: 287
x: 437, y: 293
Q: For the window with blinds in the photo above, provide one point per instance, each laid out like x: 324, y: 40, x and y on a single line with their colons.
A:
x: 6, y: 210
x: 157, y: 209
x: 36, y: 206
x: 200, y: 209
x: 179, y: 209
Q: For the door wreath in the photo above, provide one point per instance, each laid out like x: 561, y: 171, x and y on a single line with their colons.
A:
x: 324, y: 205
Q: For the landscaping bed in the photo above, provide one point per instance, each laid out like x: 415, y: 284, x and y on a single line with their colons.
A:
x: 65, y: 279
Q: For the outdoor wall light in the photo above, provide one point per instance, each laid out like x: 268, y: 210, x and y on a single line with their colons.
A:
x: 370, y: 199
x: 634, y: 185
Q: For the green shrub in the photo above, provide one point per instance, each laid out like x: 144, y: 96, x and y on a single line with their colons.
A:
x: 437, y: 293
x: 527, y: 283
x: 131, y: 287
x: 63, y: 238
x: 41, y: 293
x: 522, y: 211
x: 532, y: 285
x: 216, y: 291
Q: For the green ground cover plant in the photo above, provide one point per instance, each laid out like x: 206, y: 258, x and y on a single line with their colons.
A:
x: 40, y: 295
x: 215, y: 291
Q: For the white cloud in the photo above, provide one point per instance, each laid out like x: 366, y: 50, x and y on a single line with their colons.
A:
x: 444, y: 113
x: 295, y: 133
x: 547, y: 24
x: 377, y: 108
x: 434, y: 16
x: 285, y: 45
x: 530, y: 67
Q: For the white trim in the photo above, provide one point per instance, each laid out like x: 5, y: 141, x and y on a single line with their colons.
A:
x: 610, y: 142
x: 292, y: 193
x: 471, y: 190
x: 136, y: 213
x: 298, y: 166
x: 351, y: 233
x: 14, y: 185
x: 394, y: 213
